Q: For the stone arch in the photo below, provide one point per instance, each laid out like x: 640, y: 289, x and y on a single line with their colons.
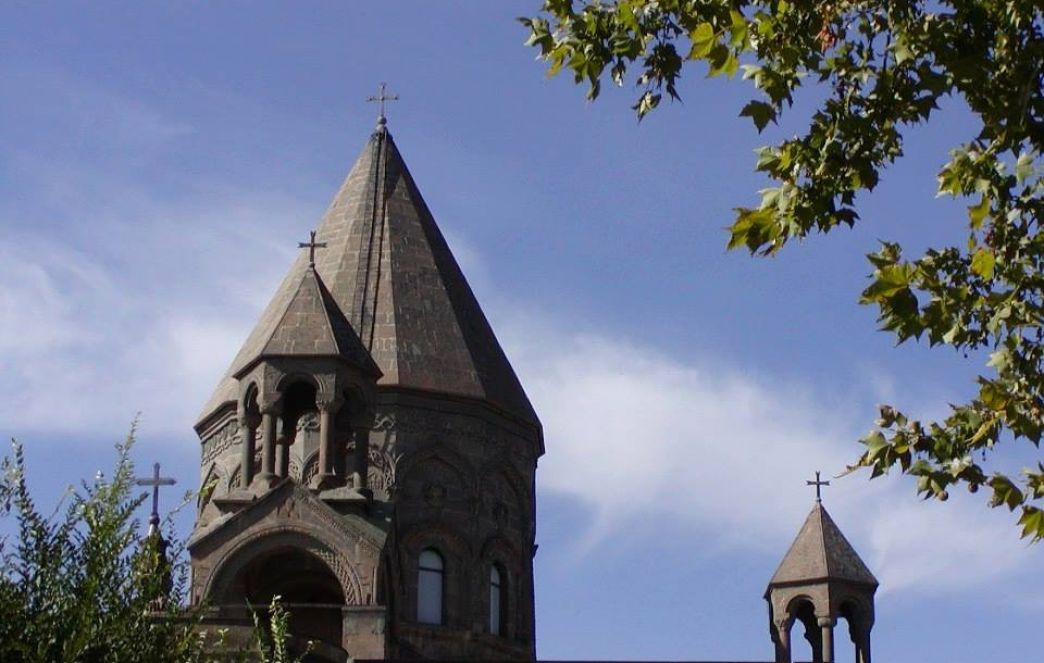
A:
x: 433, y: 475
x: 498, y: 551
x: 858, y: 613
x: 460, y: 464
x: 287, y: 380
x: 310, y: 468
x: 802, y: 608
x: 458, y: 554
x: 502, y: 486
x: 252, y: 546
x: 251, y: 392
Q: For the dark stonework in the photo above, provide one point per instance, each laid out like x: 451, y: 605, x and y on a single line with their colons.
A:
x: 371, y: 415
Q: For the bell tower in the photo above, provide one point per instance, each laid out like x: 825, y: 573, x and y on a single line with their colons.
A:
x: 370, y: 455
x: 820, y: 581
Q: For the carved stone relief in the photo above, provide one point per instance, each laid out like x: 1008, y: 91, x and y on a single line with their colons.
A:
x: 222, y: 440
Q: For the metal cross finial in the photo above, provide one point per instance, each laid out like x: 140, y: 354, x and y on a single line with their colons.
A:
x: 311, y: 245
x: 818, y: 484
x: 380, y: 98
x: 155, y: 481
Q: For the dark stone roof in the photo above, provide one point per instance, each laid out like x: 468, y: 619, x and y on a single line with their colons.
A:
x: 821, y: 553
x: 388, y: 268
x: 312, y: 325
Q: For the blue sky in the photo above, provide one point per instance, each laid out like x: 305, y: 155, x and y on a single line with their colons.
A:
x: 159, y: 162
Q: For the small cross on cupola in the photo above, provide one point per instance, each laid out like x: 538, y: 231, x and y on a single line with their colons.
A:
x: 311, y: 245
x: 818, y: 484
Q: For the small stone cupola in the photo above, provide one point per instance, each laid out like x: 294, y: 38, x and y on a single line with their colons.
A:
x: 820, y: 580
x: 309, y: 363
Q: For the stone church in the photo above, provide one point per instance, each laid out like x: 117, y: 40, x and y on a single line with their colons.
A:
x: 370, y: 457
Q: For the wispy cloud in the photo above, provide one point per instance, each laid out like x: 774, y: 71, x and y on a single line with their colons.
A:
x: 637, y: 436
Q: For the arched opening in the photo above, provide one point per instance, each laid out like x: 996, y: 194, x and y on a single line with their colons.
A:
x: 497, y: 602
x: 858, y: 629
x: 308, y: 589
x: 298, y: 399
x: 805, y: 612
x: 431, y: 573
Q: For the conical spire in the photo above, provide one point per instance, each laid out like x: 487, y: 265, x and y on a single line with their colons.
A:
x: 821, y: 553
x: 312, y: 325
x: 390, y: 272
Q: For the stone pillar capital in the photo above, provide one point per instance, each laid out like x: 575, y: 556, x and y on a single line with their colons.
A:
x: 272, y: 406
x: 826, y: 621
x: 328, y: 403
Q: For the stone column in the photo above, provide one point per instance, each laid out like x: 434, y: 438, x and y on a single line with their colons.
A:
x: 283, y: 440
x: 361, y: 461
x: 269, y: 418
x: 783, y: 645
x: 827, y: 624
x: 862, y: 644
x: 782, y: 640
x: 327, y: 409
x: 248, y: 434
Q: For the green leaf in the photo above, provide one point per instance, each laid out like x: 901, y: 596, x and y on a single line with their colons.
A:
x: 1000, y: 360
x: 760, y: 112
x: 993, y: 396
x: 1032, y: 521
x: 976, y: 213
x: 982, y: 263
x: 1023, y: 167
x: 703, y: 41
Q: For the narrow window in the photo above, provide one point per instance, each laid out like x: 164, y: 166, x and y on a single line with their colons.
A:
x: 430, y: 572
x: 496, y: 600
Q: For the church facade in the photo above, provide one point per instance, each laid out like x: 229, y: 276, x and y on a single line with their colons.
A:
x: 369, y: 457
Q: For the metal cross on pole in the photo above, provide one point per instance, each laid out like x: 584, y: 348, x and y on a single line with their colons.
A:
x: 155, y: 481
x: 311, y: 245
x: 818, y: 484
x: 380, y: 98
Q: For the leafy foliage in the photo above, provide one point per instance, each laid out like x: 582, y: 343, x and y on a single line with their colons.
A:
x: 885, y: 66
x: 80, y: 586
x: 272, y: 636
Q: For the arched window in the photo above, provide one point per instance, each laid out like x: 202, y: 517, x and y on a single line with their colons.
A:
x: 496, y: 600
x: 430, y: 574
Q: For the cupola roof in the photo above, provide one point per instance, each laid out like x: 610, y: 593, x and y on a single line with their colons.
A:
x: 821, y: 553
x: 310, y: 325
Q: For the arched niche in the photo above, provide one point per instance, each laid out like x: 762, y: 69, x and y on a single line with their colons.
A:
x: 312, y: 581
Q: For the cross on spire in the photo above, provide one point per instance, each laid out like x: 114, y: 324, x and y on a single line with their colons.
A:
x: 380, y: 98
x: 311, y: 245
x: 818, y: 484
x: 155, y: 481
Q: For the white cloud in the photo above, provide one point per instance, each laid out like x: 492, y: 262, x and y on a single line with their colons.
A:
x: 148, y: 322
x: 639, y: 436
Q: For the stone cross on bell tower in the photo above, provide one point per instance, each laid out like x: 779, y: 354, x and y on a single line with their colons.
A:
x: 380, y: 98
x: 818, y: 484
x: 155, y: 481
x: 311, y: 245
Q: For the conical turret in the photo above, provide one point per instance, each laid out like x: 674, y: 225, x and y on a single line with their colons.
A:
x: 820, y: 580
